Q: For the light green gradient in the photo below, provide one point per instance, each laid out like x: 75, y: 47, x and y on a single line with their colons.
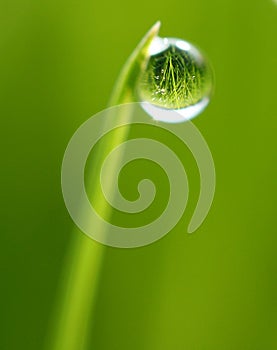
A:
x: 213, y: 290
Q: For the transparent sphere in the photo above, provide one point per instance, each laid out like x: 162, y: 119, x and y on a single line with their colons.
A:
x: 177, y: 77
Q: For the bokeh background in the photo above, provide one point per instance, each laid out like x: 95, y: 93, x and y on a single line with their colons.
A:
x: 213, y: 290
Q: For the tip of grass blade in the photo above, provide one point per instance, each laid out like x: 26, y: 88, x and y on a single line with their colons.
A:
x: 154, y: 29
x: 147, y: 39
x: 124, y: 88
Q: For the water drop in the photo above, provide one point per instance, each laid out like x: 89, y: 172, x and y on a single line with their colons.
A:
x: 184, y: 83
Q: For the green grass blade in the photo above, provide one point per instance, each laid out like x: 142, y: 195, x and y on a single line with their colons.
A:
x: 78, y: 289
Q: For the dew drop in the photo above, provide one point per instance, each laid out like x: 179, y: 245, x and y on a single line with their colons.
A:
x: 177, y: 78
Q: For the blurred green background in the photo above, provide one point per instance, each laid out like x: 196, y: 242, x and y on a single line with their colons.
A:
x: 213, y: 290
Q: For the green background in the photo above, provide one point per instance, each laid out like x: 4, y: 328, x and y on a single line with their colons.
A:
x: 213, y: 290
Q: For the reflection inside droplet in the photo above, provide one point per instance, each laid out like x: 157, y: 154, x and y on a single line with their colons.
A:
x: 177, y: 78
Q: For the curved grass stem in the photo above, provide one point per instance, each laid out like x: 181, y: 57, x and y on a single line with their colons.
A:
x: 73, y: 314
